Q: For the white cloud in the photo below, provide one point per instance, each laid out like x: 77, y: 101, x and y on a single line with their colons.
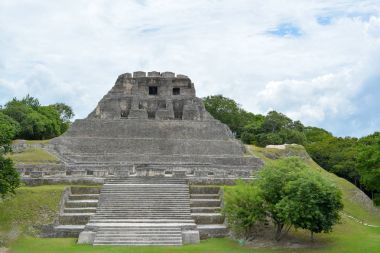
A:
x: 72, y: 51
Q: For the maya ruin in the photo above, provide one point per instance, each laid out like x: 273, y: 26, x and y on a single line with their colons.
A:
x: 150, y: 142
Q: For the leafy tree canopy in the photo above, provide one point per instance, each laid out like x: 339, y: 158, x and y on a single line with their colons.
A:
x: 34, y: 121
x: 9, y: 177
x: 290, y: 194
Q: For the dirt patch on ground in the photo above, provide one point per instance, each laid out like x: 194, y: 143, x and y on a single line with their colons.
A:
x: 286, y: 243
x: 294, y: 239
x: 4, y: 250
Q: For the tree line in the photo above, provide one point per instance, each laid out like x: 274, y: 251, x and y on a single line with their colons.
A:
x: 27, y: 119
x: 356, y: 159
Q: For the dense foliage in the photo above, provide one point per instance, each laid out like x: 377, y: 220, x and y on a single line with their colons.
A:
x: 9, y: 177
x: 288, y: 193
x: 9, y: 128
x: 27, y: 119
x: 355, y: 159
x: 243, y: 208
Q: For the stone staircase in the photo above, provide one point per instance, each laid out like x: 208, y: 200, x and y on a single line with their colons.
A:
x: 77, y: 206
x: 142, y: 211
x: 206, y: 203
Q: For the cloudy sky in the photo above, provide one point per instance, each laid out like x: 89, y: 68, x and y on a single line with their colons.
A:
x: 316, y: 61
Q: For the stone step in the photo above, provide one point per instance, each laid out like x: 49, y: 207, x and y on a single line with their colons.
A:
x: 74, y: 219
x: 205, y: 196
x: 208, y: 218
x: 205, y: 203
x: 148, y: 235
x: 204, y: 189
x: 145, y: 193
x: 166, y: 220
x: 84, y: 190
x: 140, y: 228
x: 81, y: 203
x: 88, y: 210
x: 152, y: 180
x: 142, y: 191
x: 137, y: 233
x: 143, y: 212
x: 135, y: 217
x: 142, y: 216
x: 68, y: 230
x: 136, y: 243
x: 212, y: 231
x: 83, y: 196
x: 205, y: 209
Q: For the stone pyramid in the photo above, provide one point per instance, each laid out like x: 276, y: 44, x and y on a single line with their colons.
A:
x: 153, y: 125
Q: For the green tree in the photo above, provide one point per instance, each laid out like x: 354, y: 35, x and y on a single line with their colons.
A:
x: 272, y: 181
x: 66, y: 114
x: 311, y: 203
x: 36, y: 121
x: 369, y: 162
x: 9, y: 128
x: 295, y: 196
x: 243, y: 208
x: 9, y: 177
x: 228, y: 112
x: 30, y: 101
x: 275, y: 121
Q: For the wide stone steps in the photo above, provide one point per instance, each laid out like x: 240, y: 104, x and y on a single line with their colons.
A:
x: 139, y: 235
x: 142, y: 211
x: 205, y: 205
x: 79, y: 205
x: 147, y: 180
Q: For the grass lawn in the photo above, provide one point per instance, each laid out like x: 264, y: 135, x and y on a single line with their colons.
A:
x: 32, y: 141
x: 30, y: 206
x: 33, y: 156
x: 348, y: 237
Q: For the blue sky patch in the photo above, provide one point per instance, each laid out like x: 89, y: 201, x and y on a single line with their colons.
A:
x: 286, y: 30
x: 324, y: 20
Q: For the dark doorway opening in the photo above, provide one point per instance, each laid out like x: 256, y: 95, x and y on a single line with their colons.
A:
x: 153, y: 90
x: 176, y: 91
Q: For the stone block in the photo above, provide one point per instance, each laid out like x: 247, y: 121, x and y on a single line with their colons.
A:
x: 190, y: 237
x: 86, y: 237
x: 154, y: 74
x: 168, y: 74
x: 139, y: 74
x: 138, y: 114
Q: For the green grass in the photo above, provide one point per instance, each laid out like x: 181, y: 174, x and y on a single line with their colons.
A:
x: 32, y: 141
x: 348, y: 237
x: 29, y: 207
x: 33, y: 156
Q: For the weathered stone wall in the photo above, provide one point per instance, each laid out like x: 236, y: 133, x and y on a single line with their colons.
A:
x: 154, y: 96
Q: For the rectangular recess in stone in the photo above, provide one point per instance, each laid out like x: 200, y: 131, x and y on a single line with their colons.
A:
x: 176, y: 91
x: 153, y: 90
